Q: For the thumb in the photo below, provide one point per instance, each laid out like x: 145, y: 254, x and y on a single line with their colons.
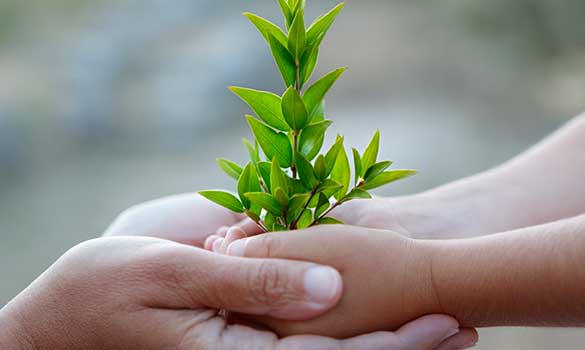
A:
x: 283, y: 289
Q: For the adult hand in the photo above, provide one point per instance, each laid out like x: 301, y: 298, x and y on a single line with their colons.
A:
x: 166, y: 216
x: 146, y: 293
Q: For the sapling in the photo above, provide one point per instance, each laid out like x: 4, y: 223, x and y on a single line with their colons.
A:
x: 291, y: 185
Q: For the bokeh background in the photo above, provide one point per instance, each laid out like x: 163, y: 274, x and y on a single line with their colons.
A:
x: 104, y: 104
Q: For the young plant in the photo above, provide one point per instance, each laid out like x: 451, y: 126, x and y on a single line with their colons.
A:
x: 294, y: 186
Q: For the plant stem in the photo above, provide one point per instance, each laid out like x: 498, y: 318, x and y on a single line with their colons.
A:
x: 336, y: 205
x: 295, y: 150
x: 294, y: 224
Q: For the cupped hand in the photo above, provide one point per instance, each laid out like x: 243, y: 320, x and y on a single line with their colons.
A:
x: 387, y: 277
x: 146, y: 293
x: 186, y: 218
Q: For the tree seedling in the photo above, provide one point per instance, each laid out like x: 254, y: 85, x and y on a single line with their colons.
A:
x: 290, y: 185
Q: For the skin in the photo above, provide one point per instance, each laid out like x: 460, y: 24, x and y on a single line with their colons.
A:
x: 528, y: 277
x: 149, y: 293
x: 542, y: 185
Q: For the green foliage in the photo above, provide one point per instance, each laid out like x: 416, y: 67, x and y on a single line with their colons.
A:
x: 294, y: 186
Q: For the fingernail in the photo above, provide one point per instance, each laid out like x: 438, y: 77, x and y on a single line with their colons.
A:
x: 217, y: 244
x: 322, y: 284
x: 237, y: 248
x: 451, y: 333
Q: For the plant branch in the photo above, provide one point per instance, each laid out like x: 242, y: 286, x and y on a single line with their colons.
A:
x: 294, y: 224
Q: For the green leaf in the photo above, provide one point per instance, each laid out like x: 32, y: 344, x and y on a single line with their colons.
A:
x: 274, y: 144
x: 329, y: 187
x: 322, y: 206
x: 321, y: 168
x: 265, y: 201
x: 306, y: 172
x: 357, y: 163
x: 264, y: 169
x: 277, y: 177
x: 323, y: 23
x: 316, y: 93
x: 232, y: 169
x: 387, y: 177
x: 265, y: 104
x: 267, y: 28
x: 319, y: 113
x: 224, y: 199
x: 305, y: 220
x: 286, y: 12
x: 376, y: 170
x: 294, y: 110
x: 371, y: 154
x: 341, y: 173
x: 252, y: 150
x: 331, y: 156
x: 312, y: 138
x: 254, y: 216
x: 248, y: 182
x: 308, y: 64
x: 296, y: 205
x: 270, y: 221
x: 330, y: 221
x: 281, y: 197
x: 279, y: 228
x: 284, y: 61
x: 297, y: 36
x: 357, y: 193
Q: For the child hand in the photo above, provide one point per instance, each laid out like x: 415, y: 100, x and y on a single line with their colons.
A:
x: 387, y: 277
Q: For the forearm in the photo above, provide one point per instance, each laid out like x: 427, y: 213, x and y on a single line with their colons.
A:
x: 542, y: 185
x: 534, y: 277
x: 13, y: 334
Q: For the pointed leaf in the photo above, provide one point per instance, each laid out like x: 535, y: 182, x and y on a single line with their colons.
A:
x: 371, y: 153
x: 264, y: 169
x: 376, y: 170
x: 357, y: 163
x: 224, y: 199
x: 277, y: 177
x: 270, y: 221
x: 321, y: 168
x: 266, y: 105
x: 312, y: 138
x: 357, y: 193
x: 331, y: 156
x: 267, y: 28
x: 306, y: 172
x: 330, y: 221
x: 387, y: 177
x: 252, y: 150
x: 281, y: 197
x: 315, y: 94
x: 323, y: 23
x: 265, y: 201
x: 248, y: 182
x: 341, y: 173
x: 284, y: 61
x: 274, y: 144
x: 286, y: 12
x: 232, y: 169
x: 297, y: 36
x: 319, y: 113
x: 295, y: 206
x: 328, y: 187
x: 294, y: 110
x: 322, y: 206
x: 305, y: 220
x: 308, y: 64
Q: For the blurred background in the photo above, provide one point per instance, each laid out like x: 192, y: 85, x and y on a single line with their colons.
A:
x: 104, y: 104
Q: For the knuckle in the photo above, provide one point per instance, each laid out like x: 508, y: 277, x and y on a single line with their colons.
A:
x: 269, y: 285
x: 265, y: 246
